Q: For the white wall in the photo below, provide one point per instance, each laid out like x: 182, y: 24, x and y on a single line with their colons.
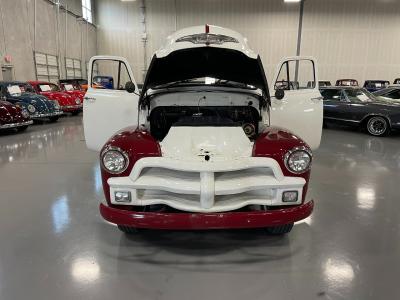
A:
x: 350, y: 38
x: 17, y: 34
x: 271, y: 26
x: 357, y: 39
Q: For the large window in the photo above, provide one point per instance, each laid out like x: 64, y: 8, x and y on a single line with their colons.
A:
x: 73, y: 68
x: 46, y: 67
x: 87, y: 10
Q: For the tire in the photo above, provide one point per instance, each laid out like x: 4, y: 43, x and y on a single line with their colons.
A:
x: 127, y: 229
x: 22, y: 128
x: 279, y: 230
x: 53, y: 119
x: 75, y: 113
x: 377, y: 126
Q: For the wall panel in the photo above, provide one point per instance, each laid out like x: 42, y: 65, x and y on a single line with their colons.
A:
x: 356, y: 39
x: 78, y: 41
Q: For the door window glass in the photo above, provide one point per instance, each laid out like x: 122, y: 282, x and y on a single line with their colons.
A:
x: 110, y: 74
x: 296, y: 75
x: 332, y: 95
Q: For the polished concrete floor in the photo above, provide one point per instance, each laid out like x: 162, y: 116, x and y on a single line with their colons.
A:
x: 54, y: 244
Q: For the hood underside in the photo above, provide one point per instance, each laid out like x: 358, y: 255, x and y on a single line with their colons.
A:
x: 191, y: 63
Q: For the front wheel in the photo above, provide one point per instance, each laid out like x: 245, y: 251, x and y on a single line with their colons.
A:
x: 53, y: 119
x: 279, y: 230
x: 127, y: 229
x: 377, y: 126
x: 22, y: 128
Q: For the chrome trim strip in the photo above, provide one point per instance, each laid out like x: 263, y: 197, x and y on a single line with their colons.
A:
x: 346, y: 120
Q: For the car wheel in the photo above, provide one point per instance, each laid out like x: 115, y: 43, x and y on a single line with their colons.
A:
x: 54, y: 119
x: 279, y: 230
x: 75, y: 113
x: 377, y: 126
x: 22, y: 128
x: 127, y: 229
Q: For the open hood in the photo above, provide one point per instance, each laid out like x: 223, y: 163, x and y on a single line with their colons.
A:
x: 198, y: 62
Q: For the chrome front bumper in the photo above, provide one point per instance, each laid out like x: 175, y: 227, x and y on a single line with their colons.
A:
x: 48, y: 115
x: 15, y: 125
x: 77, y: 106
x: 198, y: 186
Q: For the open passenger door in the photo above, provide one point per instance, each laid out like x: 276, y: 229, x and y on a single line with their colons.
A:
x: 110, y: 107
x: 301, y: 108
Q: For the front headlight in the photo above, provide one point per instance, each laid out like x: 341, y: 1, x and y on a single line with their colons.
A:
x: 114, y: 160
x: 56, y: 104
x: 298, y: 160
x: 31, y: 108
x: 78, y: 101
x: 25, y: 113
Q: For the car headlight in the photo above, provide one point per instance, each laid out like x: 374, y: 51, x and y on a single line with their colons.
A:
x: 78, y: 101
x: 298, y: 160
x: 56, y: 105
x: 25, y: 113
x: 114, y: 160
x: 31, y: 108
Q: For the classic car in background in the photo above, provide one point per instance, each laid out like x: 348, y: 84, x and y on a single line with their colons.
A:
x: 72, y: 90
x: 357, y: 107
x: 68, y: 103
x: 375, y: 85
x: 346, y: 82
x: 21, y: 94
x: 13, y: 117
x: 321, y: 83
x: 78, y: 83
x: 106, y: 82
x: 205, y: 147
x: 391, y: 93
x: 396, y: 81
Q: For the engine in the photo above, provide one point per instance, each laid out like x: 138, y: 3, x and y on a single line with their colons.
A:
x: 163, y: 117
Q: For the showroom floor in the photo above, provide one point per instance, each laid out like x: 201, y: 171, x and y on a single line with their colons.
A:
x: 54, y: 244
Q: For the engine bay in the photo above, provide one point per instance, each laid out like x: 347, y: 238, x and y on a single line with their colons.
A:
x: 162, y: 118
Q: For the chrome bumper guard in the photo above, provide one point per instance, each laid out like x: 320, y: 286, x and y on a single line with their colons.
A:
x: 54, y: 114
x: 15, y: 125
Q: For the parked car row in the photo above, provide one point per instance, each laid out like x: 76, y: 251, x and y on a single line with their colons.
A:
x: 22, y: 103
x: 370, y: 85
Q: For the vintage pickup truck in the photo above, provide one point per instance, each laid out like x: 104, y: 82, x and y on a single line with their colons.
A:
x: 205, y: 145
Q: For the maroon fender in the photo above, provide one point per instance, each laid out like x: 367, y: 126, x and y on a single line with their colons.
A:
x: 275, y: 143
x: 137, y: 144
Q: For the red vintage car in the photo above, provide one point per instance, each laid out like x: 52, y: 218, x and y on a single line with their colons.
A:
x: 69, y: 103
x: 72, y: 88
x: 12, y: 116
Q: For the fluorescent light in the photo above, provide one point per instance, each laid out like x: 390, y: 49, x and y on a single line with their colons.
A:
x: 291, y: 1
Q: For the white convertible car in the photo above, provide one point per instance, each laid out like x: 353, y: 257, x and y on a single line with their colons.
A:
x: 205, y: 145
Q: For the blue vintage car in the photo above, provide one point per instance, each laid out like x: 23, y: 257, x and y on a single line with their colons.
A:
x: 106, y: 82
x: 39, y: 107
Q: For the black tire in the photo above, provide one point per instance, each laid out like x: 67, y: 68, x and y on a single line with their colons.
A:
x: 53, y: 119
x: 377, y: 126
x: 280, y: 230
x: 75, y: 113
x: 22, y: 128
x: 127, y: 229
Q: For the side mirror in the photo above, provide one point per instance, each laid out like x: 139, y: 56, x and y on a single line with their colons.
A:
x: 130, y: 87
x: 279, y: 94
